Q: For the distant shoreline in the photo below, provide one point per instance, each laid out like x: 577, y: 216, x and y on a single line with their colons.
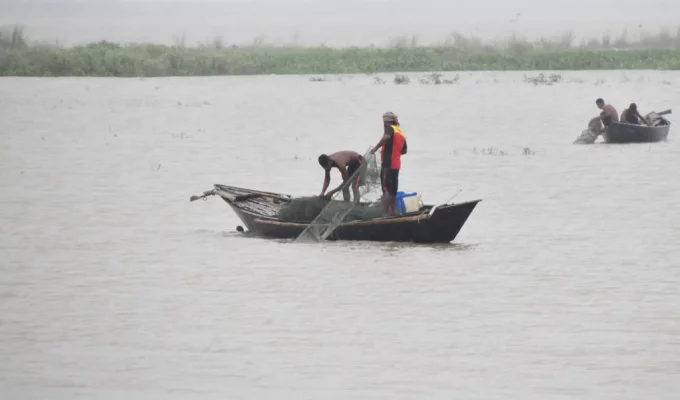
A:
x: 18, y: 57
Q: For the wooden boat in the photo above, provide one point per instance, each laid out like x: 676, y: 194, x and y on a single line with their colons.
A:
x: 621, y: 132
x: 259, y: 212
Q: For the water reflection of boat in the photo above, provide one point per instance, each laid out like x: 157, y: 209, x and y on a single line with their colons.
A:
x: 260, y: 213
x: 620, y: 132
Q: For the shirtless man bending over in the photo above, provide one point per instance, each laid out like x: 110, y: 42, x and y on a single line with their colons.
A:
x: 347, y: 162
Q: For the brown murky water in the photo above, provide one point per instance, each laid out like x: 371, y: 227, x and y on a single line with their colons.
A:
x: 563, y: 283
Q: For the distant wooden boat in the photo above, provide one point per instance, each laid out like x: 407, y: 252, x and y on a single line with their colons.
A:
x: 259, y: 212
x: 657, y: 131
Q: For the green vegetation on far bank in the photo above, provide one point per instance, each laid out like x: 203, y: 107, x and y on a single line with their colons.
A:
x: 18, y: 58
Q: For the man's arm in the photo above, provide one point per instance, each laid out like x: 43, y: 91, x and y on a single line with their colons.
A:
x: 345, y: 178
x: 641, y: 117
x: 388, y: 134
x: 326, y: 181
x: 405, y: 149
x: 382, y: 141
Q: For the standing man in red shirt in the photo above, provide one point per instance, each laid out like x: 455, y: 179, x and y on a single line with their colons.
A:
x: 393, y: 146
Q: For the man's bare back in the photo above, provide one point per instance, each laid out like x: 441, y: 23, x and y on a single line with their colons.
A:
x: 608, y: 113
x: 347, y: 162
x: 341, y: 159
x: 611, y: 111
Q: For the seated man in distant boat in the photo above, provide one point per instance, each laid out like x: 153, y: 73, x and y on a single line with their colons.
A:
x: 347, y: 162
x: 631, y: 115
x: 608, y: 114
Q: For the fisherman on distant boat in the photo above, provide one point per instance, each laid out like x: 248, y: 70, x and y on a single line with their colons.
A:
x: 631, y: 115
x: 393, y: 146
x: 347, y: 162
x: 608, y: 114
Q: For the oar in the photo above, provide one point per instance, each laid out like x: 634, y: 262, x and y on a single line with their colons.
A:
x: 665, y: 112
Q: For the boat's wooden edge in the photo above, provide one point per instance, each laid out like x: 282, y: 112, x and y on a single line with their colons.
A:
x: 231, y: 197
x: 625, y: 124
x: 448, y: 205
x: 427, y: 212
x: 383, y: 221
x: 420, y: 216
x: 218, y: 188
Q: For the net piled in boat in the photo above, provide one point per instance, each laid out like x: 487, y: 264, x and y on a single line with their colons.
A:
x: 328, y: 214
x: 306, y: 209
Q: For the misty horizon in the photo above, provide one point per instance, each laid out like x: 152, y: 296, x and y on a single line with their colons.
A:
x: 330, y: 22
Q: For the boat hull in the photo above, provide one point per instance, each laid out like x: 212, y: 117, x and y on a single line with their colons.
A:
x: 440, y: 224
x: 442, y: 227
x: 619, y: 132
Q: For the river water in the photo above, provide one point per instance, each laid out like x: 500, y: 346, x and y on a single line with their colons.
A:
x: 562, y: 284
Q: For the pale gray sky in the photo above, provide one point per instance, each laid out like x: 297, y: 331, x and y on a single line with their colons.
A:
x: 333, y: 22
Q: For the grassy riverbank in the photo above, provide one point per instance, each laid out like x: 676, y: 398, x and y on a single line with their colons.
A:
x: 19, y: 58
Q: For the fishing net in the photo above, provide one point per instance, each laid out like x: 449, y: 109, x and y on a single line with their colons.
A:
x: 306, y: 209
x: 326, y: 215
x: 589, y: 136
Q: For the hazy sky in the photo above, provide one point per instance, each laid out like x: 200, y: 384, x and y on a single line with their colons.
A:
x: 334, y: 22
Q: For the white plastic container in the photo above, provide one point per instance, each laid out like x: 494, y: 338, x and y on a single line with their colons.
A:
x: 412, y: 203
